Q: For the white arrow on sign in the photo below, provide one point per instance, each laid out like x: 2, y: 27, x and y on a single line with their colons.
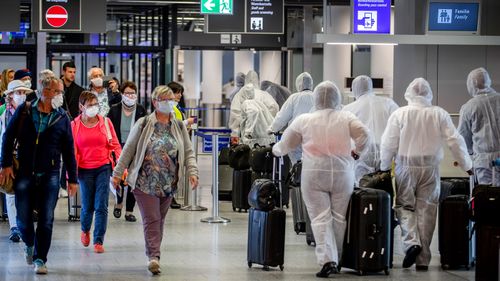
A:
x: 209, y: 5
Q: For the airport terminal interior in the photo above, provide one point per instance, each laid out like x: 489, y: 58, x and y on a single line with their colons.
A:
x: 208, y: 47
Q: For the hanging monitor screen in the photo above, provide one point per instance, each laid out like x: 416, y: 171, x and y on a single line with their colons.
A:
x: 453, y: 17
x: 371, y: 16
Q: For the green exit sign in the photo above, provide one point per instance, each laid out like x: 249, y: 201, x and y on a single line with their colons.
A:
x: 217, y: 7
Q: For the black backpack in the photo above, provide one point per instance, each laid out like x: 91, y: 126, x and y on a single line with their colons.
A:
x: 239, y: 156
x: 261, y: 159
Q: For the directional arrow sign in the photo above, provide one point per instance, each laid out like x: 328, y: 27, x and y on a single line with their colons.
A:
x: 216, y: 7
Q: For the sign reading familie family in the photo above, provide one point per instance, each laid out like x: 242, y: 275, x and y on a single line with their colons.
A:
x: 371, y: 16
x: 60, y: 15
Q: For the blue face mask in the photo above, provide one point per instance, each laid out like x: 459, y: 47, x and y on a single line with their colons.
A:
x: 164, y: 107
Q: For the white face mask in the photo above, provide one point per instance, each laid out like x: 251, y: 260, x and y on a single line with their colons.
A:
x: 164, y: 107
x: 57, y: 101
x: 96, y: 82
x: 128, y: 101
x: 27, y: 83
x: 173, y: 103
x: 92, y: 111
x: 19, y: 99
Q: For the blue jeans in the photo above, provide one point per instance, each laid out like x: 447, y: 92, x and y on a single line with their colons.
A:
x: 94, y: 189
x: 41, y: 193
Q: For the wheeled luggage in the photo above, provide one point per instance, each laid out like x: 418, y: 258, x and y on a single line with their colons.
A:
x: 382, y: 181
x: 453, y: 186
x: 3, y: 207
x: 266, y: 232
x: 367, y: 245
x: 299, y: 211
x: 487, y: 252
x: 74, y: 206
x: 225, y: 182
x: 309, y: 233
x: 242, y: 182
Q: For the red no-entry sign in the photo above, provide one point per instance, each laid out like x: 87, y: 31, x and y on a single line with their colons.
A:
x: 56, y: 16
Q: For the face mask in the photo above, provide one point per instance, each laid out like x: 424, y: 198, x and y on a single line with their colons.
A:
x: 92, y: 111
x: 57, y: 101
x: 97, y: 82
x: 173, y: 103
x: 27, y: 83
x: 19, y: 99
x: 128, y: 101
x: 164, y: 107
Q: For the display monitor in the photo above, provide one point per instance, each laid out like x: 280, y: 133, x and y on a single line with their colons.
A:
x: 457, y: 17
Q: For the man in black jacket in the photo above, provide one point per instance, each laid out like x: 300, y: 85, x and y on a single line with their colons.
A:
x: 46, y: 136
x: 72, y: 91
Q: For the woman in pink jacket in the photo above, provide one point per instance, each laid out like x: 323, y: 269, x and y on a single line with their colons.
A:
x: 95, y: 143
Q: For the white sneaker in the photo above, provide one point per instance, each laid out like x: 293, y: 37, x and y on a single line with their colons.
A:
x: 40, y: 267
x: 154, y: 266
x: 63, y: 193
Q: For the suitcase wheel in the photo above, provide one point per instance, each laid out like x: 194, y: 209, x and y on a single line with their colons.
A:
x: 445, y: 266
x: 361, y: 272
x: 249, y: 264
x: 281, y: 267
x: 265, y: 268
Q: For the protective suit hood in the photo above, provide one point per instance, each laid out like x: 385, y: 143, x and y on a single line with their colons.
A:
x: 327, y: 95
x: 248, y: 92
x: 362, y: 85
x: 419, y: 93
x: 304, y: 82
x: 479, y: 82
x: 252, y: 77
x: 239, y: 79
x: 265, y: 84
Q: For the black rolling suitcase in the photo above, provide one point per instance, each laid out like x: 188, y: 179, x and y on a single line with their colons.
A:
x: 382, y: 181
x: 74, y: 206
x: 454, y: 186
x: 299, y: 212
x: 309, y: 233
x: 266, y: 232
x: 367, y: 241
x: 242, y: 182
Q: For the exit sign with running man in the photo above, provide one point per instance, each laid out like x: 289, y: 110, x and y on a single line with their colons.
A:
x: 216, y: 7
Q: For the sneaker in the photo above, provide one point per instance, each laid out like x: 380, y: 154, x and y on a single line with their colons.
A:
x: 411, y: 256
x: 328, y: 268
x: 40, y: 267
x: 85, y: 238
x: 15, y: 235
x: 130, y: 217
x: 98, y: 248
x: 28, y: 254
x: 63, y: 193
x: 154, y: 266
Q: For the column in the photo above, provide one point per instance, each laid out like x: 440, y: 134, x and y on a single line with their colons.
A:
x: 211, y: 87
x: 243, y: 61
x: 270, y: 66
x: 41, y: 53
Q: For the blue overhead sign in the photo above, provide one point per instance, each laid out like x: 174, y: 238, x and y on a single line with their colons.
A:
x: 372, y: 16
x: 453, y: 16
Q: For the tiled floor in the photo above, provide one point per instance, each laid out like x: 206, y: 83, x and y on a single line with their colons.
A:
x: 191, y: 251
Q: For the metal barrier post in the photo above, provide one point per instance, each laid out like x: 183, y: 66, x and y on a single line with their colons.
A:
x: 215, y: 218
x: 194, y: 193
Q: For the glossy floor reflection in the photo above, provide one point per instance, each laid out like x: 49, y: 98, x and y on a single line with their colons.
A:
x: 191, y: 250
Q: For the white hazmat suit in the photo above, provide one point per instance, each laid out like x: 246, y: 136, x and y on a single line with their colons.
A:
x: 261, y: 96
x: 414, y: 137
x: 373, y: 111
x: 328, y: 168
x: 296, y: 105
x: 255, y: 119
x: 480, y: 125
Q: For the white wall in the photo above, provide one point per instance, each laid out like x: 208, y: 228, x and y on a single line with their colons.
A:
x: 270, y: 66
x: 211, y: 85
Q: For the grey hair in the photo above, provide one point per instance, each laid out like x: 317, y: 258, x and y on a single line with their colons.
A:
x: 46, y: 81
x: 90, y: 72
x: 161, y: 90
x: 44, y: 74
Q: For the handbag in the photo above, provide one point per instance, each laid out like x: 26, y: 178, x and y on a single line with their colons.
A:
x: 8, y: 186
x: 239, y: 157
x: 263, y: 195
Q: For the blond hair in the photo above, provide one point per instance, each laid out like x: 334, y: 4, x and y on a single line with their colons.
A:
x: 162, y: 91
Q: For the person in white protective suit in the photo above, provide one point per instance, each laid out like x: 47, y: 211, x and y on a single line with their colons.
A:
x: 261, y: 96
x: 414, y: 137
x: 279, y: 93
x: 373, y: 111
x: 296, y: 105
x: 480, y: 125
x: 255, y: 119
x: 239, y: 81
x: 328, y: 168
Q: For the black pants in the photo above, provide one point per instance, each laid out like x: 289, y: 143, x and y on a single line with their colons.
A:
x: 129, y: 205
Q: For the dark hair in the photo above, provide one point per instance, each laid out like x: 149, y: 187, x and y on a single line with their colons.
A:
x: 116, y: 80
x: 128, y: 84
x: 176, y: 87
x: 86, y: 96
x: 69, y: 64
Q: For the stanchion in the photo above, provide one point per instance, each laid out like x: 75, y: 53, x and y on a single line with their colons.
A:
x: 194, y: 194
x: 215, y: 218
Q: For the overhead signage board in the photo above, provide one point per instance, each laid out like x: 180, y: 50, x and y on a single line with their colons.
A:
x: 250, y: 17
x: 371, y: 16
x: 10, y: 16
x: 60, y: 15
x: 265, y: 16
x: 453, y: 17
x: 214, y: 7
